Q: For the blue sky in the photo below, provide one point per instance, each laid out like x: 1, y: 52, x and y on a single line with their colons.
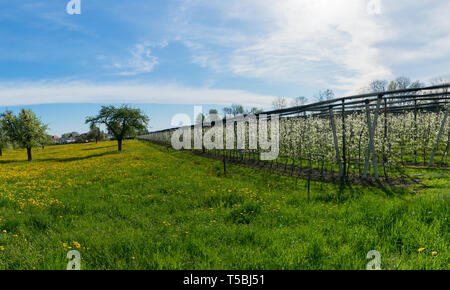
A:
x: 166, y: 56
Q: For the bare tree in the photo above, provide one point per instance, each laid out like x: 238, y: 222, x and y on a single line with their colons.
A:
x: 416, y: 84
x: 441, y: 81
x: 325, y: 95
x: 299, y: 101
x: 378, y: 86
x: 279, y: 103
x: 235, y: 109
x: 403, y: 83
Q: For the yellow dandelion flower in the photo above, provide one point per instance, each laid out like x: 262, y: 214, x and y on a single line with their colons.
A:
x: 434, y: 253
x: 421, y: 250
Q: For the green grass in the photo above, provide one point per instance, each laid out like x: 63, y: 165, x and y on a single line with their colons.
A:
x: 150, y: 208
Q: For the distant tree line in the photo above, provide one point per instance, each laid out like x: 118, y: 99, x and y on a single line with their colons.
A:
x: 233, y: 110
x: 328, y: 94
x: 400, y: 83
x: 94, y: 134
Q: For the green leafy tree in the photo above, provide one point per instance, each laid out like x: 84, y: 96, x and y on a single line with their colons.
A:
x: 255, y: 110
x: 95, y: 133
x: 83, y: 138
x: 122, y: 122
x: 144, y: 131
x: 235, y: 109
x: 46, y: 140
x: 393, y: 85
x: 25, y: 129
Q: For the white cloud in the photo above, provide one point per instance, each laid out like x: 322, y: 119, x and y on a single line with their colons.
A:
x: 299, y: 40
x: 424, y: 35
x: 141, y: 61
x: 84, y: 92
x: 343, y: 44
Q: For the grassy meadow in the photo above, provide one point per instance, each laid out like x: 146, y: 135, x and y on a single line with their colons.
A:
x: 152, y: 208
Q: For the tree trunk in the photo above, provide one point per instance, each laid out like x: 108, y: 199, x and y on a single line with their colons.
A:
x: 344, y: 157
x: 359, y: 152
x: 309, y: 175
x: 385, y: 141
x: 415, y: 131
x: 321, y: 169
x: 29, y: 154
x: 1, y: 152
x: 444, y: 155
x: 119, y: 144
x: 224, y: 165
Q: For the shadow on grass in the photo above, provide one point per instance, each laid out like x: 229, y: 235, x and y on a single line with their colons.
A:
x: 341, y: 193
x: 61, y: 159
x: 412, y: 178
x: 326, y: 190
x: 96, y: 148
x: 392, y: 191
